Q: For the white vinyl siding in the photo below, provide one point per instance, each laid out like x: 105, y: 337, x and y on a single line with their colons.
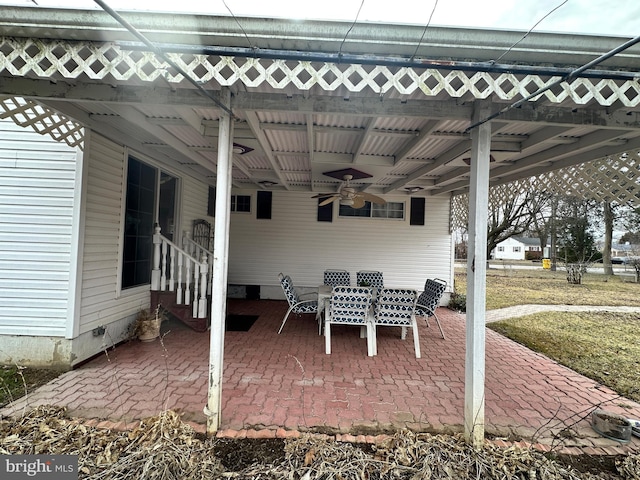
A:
x: 37, y: 182
x: 295, y: 243
x: 195, y: 195
x: 101, y: 302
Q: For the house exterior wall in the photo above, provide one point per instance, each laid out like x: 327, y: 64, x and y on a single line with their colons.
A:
x: 39, y: 243
x: 507, y: 252
x: 295, y: 243
x: 37, y: 231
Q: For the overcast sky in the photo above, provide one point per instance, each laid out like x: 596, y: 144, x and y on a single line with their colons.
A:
x: 608, y: 17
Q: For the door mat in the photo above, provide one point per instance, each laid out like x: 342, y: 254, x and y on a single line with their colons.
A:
x: 239, y: 323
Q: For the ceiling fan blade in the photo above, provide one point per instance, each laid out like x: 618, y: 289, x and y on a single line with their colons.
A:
x: 358, y: 202
x: 324, y: 195
x: 372, y: 198
x: 329, y: 200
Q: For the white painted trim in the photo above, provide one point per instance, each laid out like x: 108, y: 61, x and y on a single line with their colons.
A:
x: 123, y: 207
x: 474, y: 390
x: 77, y: 241
x: 213, y: 409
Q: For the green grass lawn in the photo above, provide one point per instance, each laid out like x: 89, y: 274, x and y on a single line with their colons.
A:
x: 602, y: 346
x: 509, y: 287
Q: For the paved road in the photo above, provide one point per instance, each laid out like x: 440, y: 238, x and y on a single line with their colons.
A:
x: 617, y: 269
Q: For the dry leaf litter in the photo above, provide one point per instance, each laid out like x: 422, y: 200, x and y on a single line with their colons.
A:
x: 163, y: 447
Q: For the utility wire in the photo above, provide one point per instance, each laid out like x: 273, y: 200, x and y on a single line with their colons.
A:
x: 243, y: 31
x: 161, y: 54
x: 530, y: 30
x: 565, y: 78
x: 350, y: 28
x: 425, y: 29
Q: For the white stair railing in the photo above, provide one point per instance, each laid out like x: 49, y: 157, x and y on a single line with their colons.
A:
x: 196, y: 250
x: 175, y: 270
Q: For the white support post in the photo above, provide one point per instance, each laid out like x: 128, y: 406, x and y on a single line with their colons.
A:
x: 476, y: 276
x: 155, y: 272
x: 213, y: 409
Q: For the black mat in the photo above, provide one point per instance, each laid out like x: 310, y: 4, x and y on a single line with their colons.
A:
x: 239, y: 323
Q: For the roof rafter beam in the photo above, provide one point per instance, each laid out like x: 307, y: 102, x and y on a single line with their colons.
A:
x: 311, y: 140
x: 416, y: 141
x: 586, y: 142
x: 368, y: 128
x: 114, y: 134
x: 577, y: 158
x: 443, y: 159
x: 132, y: 115
x: 254, y: 124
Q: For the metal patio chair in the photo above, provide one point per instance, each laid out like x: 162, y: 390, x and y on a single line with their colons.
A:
x: 370, y: 278
x: 349, y: 306
x: 429, y: 300
x: 395, y: 307
x: 337, y: 277
x: 296, y: 304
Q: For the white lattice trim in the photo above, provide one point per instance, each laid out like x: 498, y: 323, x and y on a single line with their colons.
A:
x: 613, y: 179
x: 27, y: 56
x: 43, y: 120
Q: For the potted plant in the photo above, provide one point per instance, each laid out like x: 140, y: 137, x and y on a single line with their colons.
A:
x: 147, y: 324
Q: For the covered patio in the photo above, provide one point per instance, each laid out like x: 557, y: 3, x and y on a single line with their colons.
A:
x: 274, y: 382
x: 422, y: 118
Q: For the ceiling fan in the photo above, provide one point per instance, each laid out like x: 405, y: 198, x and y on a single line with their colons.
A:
x: 349, y: 196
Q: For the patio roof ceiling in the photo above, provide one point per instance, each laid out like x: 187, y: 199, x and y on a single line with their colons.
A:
x: 396, y: 110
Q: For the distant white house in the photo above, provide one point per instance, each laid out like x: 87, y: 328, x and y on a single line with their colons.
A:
x: 516, y: 248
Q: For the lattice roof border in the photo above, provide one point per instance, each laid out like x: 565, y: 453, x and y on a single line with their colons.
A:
x: 47, y: 59
x: 43, y: 120
x: 614, y: 179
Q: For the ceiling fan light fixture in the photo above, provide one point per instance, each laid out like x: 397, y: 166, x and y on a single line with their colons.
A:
x: 413, y: 189
x: 347, y: 202
x: 267, y: 183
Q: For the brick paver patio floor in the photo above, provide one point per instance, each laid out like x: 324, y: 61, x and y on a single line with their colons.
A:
x: 286, y: 381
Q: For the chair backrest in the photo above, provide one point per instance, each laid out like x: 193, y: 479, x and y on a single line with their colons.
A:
x: 433, y: 291
x: 395, y: 306
x: 370, y: 278
x: 350, y: 304
x: 337, y: 277
x: 289, y: 289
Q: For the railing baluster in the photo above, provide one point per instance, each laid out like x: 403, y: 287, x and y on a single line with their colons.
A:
x: 172, y: 267
x: 196, y: 275
x: 187, y: 293
x: 155, y: 272
x: 163, y: 271
x: 179, y: 298
x: 202, y: 302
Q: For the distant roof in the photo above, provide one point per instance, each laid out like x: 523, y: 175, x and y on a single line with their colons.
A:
x: 528, y: 240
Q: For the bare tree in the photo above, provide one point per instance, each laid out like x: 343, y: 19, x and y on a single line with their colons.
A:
x: 512, y: 216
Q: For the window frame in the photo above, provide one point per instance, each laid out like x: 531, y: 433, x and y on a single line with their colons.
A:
x: 233, y: 206
x: 372, y: 209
